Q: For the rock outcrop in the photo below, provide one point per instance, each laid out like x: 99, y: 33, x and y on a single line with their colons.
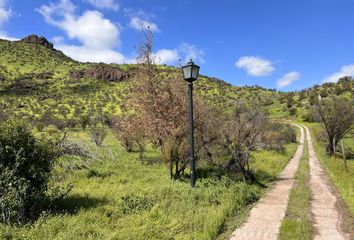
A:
x: 103, y: 72
x: 34, y: 39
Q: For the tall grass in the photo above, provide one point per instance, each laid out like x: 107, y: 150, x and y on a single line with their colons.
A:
x: 121, y: 198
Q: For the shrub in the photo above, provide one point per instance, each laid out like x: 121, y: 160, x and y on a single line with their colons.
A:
x: 84, y: 121
x: 308, y: 117
x: 135, y: 204
x: 240, y: 135
x: 130, y: 132
x: 25, y: 168
x: 98, y: 134
x: 276, y: 135
x: 292, y: 111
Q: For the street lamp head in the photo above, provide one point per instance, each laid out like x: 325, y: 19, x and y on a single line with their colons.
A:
x: 190, y: 72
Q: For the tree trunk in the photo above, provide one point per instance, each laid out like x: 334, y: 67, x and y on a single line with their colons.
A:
x: 177, y: 173
x: 344, y: 158
x: 330, y: 146
x: 171, y: 168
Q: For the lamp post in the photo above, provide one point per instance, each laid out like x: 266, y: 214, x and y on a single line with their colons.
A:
x: 190, y: 74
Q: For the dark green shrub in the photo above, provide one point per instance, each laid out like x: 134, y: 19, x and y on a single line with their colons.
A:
x: 25, y: 168
x: 134, y: 204
x: 84, y: 121
x: 292, y: 111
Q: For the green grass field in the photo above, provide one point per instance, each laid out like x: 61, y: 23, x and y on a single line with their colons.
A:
x: 118, y: 197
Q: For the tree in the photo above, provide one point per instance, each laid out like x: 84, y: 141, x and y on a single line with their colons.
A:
x: 161, y: 105
x: 336, y: 115
x: 313, y: 98
x: 289, y: 100
x: 130, y: 132
x: 240, y: 135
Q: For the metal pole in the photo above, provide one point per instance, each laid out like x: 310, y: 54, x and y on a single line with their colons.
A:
x: 191, y: 135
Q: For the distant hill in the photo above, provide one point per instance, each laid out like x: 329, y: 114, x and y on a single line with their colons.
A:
x: 38, y: 82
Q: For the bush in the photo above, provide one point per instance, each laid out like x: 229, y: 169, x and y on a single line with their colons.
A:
x: 278, y: 134
x: 25, y: 168
x: 292, y: 111
x: 135, y: 204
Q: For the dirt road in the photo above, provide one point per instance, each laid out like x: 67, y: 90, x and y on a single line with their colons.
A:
x: 266, y: 217
x: 327, y: 219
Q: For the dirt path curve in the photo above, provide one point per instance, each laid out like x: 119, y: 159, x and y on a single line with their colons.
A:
x: 327, y: 220
x: 266, y: 217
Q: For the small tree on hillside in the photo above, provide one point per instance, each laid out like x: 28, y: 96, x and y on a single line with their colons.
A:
x: 337, y: 117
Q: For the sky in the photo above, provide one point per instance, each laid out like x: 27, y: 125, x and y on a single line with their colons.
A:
x: 287, y: 45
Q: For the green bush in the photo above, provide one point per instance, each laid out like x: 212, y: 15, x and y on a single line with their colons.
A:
x: 25, y: 168
x: 134, y: 204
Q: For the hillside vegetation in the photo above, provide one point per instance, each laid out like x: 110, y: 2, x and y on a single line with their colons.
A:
x: 37, y: 82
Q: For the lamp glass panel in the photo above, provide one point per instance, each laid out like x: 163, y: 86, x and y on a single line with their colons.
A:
x: 195, y: 72
x: 187, y: 72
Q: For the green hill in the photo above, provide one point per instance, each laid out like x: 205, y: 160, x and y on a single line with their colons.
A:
x: 36, y: 81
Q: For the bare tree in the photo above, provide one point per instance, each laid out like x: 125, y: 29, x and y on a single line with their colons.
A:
x: 336, y: 115
x: 131, y: 133
x: 240, y: 135
x: 160, y: 102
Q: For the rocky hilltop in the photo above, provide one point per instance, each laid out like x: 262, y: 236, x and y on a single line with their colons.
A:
x: 34, y: 39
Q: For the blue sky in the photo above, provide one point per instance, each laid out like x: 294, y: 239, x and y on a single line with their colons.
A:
x: 288, y: 45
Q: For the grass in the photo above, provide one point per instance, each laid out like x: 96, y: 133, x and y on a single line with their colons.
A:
x: 297, y: 221
x: 122, y: 198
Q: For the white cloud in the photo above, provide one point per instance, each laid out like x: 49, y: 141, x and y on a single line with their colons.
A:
x: 3, y: 35
x: 255, y: 66
x: 183, y: 53
x: 5, y: 13
x: 86, y: 54
x: 58, y: 40
x: 93, y: 30
x: 288, y: 79
x: 189, y: 51
x: 58, y: 13
x: 166, y: 56
x: 346, y: 70
x: 98, y: 36
x: 109, y: 4
x: 138, y: 24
